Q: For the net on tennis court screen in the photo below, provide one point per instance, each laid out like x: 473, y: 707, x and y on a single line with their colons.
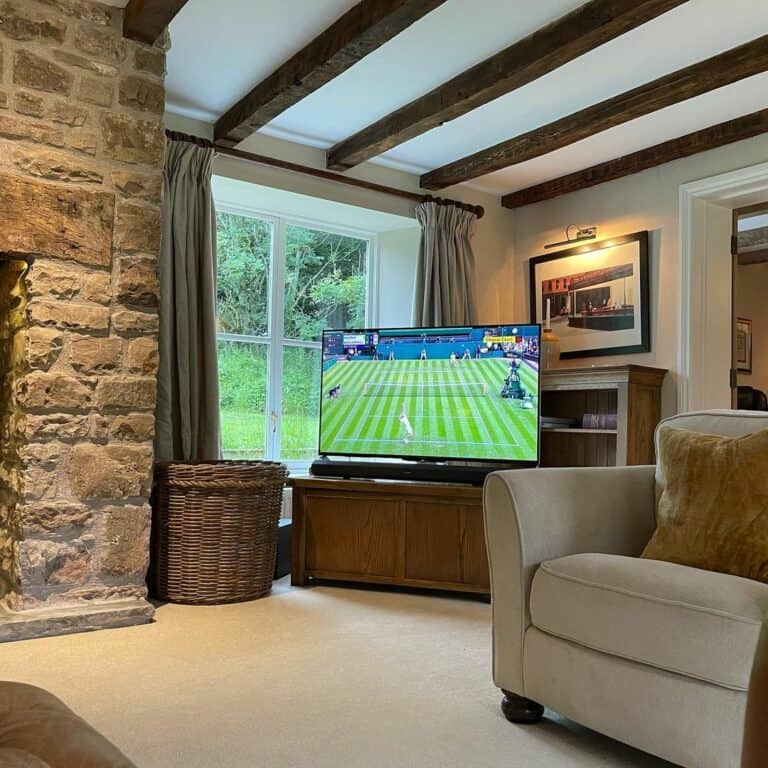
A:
x: 443, y: 389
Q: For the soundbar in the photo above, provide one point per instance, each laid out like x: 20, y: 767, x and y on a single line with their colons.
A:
x: 470, y: 474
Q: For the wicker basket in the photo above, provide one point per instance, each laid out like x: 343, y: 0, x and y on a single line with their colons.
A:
x: 214, y: 530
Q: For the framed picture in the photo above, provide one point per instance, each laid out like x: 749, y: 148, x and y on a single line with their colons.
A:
x: 597, y: 295
x: 744, y: 345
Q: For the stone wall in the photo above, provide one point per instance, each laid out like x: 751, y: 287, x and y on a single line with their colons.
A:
x: 81, y: 152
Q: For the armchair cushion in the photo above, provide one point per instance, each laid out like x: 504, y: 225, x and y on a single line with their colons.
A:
x: 712, y: 513
x: 693, y: 622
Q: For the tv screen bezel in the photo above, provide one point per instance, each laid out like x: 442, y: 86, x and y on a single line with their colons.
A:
x: 518, y: 463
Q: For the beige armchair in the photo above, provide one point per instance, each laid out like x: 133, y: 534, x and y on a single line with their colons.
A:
x: 653, y: 654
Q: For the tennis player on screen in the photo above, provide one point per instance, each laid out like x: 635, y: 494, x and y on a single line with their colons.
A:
x: 405, y: 421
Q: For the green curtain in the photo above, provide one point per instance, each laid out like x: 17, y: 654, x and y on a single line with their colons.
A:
x: 446, y: 265
x: 187, y: 415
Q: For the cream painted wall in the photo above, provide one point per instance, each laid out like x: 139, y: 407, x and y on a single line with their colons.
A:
x: 398, y: 251
x: 492, y: 243
x: 649, y: 200
x: 750, y: 302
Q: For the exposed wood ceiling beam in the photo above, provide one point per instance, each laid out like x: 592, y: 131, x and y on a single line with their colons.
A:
x: 700, y: 141
x: 753, y: 238
x: 753, y: 257
x: 145, y: 20
x: 361, y: 30
x: 702, y: 77
x: 565, y: 39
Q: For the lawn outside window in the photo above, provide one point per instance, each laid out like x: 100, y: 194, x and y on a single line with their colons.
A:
x: 280, y: 282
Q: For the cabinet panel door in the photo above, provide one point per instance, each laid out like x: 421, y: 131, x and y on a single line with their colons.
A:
x: 432, y: 535
x: 474, y: 555
x: 352, y: 535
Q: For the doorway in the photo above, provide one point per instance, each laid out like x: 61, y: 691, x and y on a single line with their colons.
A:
x: 749, y: 247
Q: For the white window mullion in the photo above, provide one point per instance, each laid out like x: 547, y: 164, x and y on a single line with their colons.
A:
x: 276, y: 329
x: 372, y: 276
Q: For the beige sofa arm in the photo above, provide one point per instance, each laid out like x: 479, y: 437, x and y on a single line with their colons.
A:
x: 534, y: 515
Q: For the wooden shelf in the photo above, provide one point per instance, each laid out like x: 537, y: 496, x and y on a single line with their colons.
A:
x: 631, y: 394
x: 579, y: 431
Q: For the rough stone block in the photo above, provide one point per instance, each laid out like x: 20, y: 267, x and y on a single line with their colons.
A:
x: 55, y: 517
x: 85, y: 10
x: 101, y: 43
x: 17, y: 129
x: 69, y: 315
x: 131, y: 323
x: 93, y: 354
x: 3, y: 94
x: 95, y: 91
x: 51, y: 279
x: 71, y: 59
x: 132, y: 427
x: 125, y: 551
x: 39, y: 389
x: 40, y: 483
x: 139, y: 186
x: 33, y: 71
x: 19, y: 22
x: 110, y: 471
x: 44, y: 346
x: 133, y: 141
x: 45, y: 562
x: 67, y: 113
x: 149, y: 60
x: 55, y: 165
x: 126, y: 392
x: 42, y: 454
x: 66, y: 223
x: 142, y: 356
x: 30, y: 104
x: 56, y: 426
x: 137, y: 281
x: 83, y: 141
x: 142, y: 94
x: 137, y: 228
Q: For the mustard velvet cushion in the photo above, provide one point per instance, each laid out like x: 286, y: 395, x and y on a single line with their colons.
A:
x: 713, y: 513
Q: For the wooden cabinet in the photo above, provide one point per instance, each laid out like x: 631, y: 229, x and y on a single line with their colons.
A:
x: 427, y: 535
x: 629, y: 394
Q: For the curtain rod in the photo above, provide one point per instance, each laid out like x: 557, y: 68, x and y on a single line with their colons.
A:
x: 222, y: 149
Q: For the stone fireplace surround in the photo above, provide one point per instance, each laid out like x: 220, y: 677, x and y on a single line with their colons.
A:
x: 81, y: 153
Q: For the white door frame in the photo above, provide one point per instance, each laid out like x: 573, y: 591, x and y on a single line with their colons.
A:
x: 704, y: 259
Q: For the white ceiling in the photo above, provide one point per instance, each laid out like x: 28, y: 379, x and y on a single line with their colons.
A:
x: 218, y: 56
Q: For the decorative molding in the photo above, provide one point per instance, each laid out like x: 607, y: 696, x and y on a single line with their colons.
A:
x: 727, y: 189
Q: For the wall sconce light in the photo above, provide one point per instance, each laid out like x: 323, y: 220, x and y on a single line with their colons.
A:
x: 582, y: 234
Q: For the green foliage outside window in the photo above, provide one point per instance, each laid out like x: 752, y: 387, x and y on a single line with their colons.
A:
x: 325, y: 286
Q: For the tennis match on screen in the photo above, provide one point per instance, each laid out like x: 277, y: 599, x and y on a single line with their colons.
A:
x: 432, y: 393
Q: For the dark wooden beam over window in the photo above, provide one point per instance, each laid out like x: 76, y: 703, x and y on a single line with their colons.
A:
x: 145, y: 20
x: 361, y: 30
x: 718, y: 71
x: 700, y: 141
x: 565, y: 39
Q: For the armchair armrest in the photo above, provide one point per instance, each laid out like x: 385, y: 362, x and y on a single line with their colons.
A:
x: 536, y: 515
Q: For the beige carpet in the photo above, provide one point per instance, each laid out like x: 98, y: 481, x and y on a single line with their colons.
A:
x: 305, y: 677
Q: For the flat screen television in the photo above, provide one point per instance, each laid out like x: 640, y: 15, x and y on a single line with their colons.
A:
x: 432, y: 394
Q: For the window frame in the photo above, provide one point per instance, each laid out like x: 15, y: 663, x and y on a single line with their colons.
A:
x: 275, y: 340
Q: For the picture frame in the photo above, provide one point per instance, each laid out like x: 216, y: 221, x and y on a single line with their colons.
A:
x: 598, y: 294
x: 743, y: 345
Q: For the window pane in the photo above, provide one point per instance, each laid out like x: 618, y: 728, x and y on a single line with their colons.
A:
x: 301, y: 403
x: 325, y: 282
x: 244, y: 252
x: 243, y: 397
